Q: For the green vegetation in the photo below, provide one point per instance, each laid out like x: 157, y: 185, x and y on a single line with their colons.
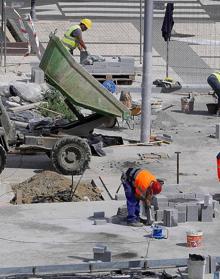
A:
x: 56, y: 106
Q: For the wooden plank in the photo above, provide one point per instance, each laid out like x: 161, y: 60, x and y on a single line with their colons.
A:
x: 26, y: 107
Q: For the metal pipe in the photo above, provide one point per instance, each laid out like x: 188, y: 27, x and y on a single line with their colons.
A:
x: 140, y: 31
x: 2, y: 31
x: 167, y: 64
x: 177, y: 166
x: 147, y: 72
x: 33, y: 10
x: 5, y: 43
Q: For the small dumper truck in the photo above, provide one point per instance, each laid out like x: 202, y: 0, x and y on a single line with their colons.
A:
x: 67, y: 144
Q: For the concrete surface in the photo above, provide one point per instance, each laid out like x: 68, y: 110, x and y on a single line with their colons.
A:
x: 43, y: 234
x: 64, y: 233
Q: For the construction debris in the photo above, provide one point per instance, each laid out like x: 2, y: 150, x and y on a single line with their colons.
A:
x: 49, y: 186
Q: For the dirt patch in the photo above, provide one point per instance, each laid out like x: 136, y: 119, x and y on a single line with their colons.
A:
x: 49, y: 186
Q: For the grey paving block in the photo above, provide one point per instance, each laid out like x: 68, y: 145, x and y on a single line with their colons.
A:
x: 104, y: 257
x: 181, y: 216
x: 181, y: 207
x: 207, y: 200
x: 126, y: 59
x: 207, y: 264
x: 100, y: 249
x: 163, y: 205
x: 217, y: 131
x: 159, y: 201
x: 172, y: 204
x: 100, y: 222
x: 207, y: 213
x: 99, y: 214
x: 192, y: 212
x: 159, y: 215
x: 37, y: 75
x: 216, y: 208
x: 212, y: 264
x: 170, y: 218
x: 175, y: 196
x: 200, y: 196
x: 189, y: 195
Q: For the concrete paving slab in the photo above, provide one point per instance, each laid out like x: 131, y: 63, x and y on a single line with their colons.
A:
x: 60, y: 233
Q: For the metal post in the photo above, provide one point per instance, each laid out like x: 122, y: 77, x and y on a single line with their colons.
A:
x: 167, y: 64
x: 140, y: 31
x: 177, y: 166
x: 4, y: 21
x: 2, y: 31
x: 33, y: 10
x: 147, y: 70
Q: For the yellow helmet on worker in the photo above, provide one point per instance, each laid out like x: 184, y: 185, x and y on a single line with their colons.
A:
x: 87, y: 22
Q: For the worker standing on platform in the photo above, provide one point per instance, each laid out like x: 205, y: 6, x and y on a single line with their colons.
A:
x: 73, y: 36
x: 214, y: 81
x: 139, y: 184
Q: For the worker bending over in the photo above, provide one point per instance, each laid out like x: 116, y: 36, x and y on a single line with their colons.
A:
x: 73, y: 36
x: 214, y: 81
x: 139, y: 184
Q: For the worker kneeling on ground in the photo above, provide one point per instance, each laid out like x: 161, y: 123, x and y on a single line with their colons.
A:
x: 73, y: 36
x: 139, y: 184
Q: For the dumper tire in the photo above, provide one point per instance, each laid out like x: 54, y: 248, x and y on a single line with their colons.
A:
x: 71, y: 155
x: 2, y: 158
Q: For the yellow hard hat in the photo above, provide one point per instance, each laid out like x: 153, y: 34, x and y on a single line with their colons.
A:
x: 87, y: 22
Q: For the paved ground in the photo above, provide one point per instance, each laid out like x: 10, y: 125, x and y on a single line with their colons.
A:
x: 64, y: 233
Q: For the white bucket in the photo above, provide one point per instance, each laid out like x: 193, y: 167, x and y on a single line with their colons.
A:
x: 196, y: 269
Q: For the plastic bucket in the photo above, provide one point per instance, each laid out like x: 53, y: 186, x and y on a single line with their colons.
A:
x: 159, y: 232
x: 194, y: 239
x: 187, y: 105
x: 196, y: 269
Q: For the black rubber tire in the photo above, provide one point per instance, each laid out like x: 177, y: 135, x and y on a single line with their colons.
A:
x: 71, y: 155
x: 2, y: 158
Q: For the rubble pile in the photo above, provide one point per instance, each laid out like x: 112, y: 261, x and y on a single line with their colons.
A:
x: 49, y: 186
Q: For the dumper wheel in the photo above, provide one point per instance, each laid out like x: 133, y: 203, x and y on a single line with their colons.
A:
x: 71, y: 155
x: 2, y: 158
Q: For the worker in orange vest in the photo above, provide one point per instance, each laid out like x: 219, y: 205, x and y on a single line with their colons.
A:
x: 139, y: 184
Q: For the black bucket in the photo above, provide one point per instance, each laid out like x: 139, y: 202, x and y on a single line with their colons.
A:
x: 212, y: 108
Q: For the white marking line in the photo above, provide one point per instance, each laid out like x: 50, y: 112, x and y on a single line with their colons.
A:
x: 209, y: 2
x: 120, y: 4
x: 49, y: 13
x: 135, y: 15
x: 127, y: 10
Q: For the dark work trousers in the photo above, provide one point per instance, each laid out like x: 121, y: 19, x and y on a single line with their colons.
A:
x: 133, y: 204
x: 215, y: 84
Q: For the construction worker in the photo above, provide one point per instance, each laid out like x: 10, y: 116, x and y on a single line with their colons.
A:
x: 139, y: 184
x: 73, y: 36
x: 214, y: 81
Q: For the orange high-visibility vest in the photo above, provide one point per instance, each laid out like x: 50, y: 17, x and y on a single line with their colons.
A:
x: 141, y: 181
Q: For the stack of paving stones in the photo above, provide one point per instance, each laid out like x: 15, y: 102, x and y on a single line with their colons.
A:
x: 119, y: 66
x: 174, y: 208
x: 99, y: 218
x: 101, y: 253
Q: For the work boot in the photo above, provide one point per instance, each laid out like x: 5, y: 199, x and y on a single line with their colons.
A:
x: 135, y: 224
